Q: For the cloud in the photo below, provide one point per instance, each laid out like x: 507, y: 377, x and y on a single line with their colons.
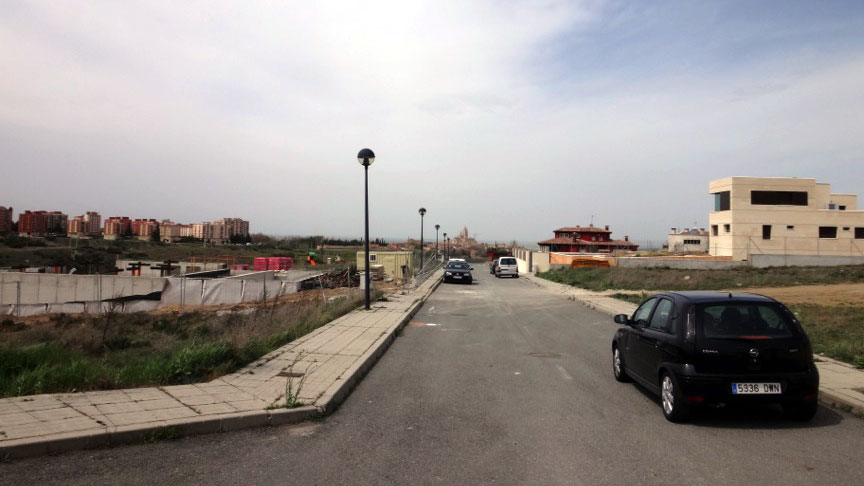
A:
x: 511, y: 117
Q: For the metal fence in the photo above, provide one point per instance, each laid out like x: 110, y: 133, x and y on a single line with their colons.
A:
x: 427, y: 267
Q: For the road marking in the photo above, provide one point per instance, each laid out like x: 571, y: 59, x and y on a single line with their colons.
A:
x: 516, y: 373
x: 431, y: 324
x: 564, y: 373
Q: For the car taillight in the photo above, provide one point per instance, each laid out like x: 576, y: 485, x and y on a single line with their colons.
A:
x: 690, y: 329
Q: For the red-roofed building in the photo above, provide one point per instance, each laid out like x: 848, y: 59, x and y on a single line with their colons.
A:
x: 585, y: 239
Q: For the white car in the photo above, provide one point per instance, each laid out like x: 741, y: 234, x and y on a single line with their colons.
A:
x: 506, y: 266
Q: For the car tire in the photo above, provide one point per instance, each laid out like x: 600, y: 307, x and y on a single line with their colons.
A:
x: 801, y: 412
x: 675, y: 409
x: 618, y: 368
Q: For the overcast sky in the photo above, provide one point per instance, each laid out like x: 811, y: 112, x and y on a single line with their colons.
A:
x: 510, y: 117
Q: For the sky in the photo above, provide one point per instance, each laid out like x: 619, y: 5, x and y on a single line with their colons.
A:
x: 510, y: 117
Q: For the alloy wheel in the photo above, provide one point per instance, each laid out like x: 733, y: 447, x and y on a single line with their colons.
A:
x: 668, y: 395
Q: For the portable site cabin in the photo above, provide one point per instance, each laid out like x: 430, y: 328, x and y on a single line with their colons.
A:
x: 392, y: 261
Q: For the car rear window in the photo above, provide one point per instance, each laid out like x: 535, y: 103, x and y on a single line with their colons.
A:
x: 508, y: 261
x: 744, y: 320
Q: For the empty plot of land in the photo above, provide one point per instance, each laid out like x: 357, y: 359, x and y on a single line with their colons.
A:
x: 828, y: 295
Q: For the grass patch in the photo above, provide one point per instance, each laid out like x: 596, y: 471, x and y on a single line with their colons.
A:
x: 164, y: 433
x: 69, y: 354
x: 632, y: 298
x: 675, y: 279
x: 835, y: 331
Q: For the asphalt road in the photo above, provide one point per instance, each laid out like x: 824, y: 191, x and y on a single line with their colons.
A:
x: 499, y: 382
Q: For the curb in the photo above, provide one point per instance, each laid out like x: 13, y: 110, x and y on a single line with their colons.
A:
x: 357, y: 373
x: 176, y: 428
x: 169, y: 429
x: 827, y: 397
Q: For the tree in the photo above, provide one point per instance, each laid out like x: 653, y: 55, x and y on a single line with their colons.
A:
x: 154, y: 235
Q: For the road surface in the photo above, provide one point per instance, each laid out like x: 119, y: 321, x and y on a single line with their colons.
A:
x: 499, y: 382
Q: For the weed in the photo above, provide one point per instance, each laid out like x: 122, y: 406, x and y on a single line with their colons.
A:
x: 632, y: 298
x: 292, y: 394
x: 164, y: 433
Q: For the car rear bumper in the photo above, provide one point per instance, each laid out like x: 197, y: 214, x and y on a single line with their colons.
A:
x: 507, y: 271
x: 717, y: 388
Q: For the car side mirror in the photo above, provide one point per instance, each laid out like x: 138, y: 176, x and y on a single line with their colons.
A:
x: 622, y: 319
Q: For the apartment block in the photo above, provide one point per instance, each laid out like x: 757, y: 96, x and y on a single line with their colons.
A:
x: 116, y: 227
x: 783, y: 216
x: 143, y: 229
x: 5, y: 220
x: 42, y: 223
x: 89, y: 224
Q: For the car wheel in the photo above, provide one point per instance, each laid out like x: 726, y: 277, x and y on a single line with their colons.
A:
x: 800, y: 411
x: 618, y: 366
x: 674, y: 407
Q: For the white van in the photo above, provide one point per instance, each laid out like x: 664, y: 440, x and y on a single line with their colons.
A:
x: 506, y: 266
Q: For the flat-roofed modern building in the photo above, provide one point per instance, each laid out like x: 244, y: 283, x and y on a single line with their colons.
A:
x: 688, y: 239
x: 783, y: 216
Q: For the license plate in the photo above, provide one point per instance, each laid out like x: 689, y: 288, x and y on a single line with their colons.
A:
x: 756, y: 389
x: 457, y: 276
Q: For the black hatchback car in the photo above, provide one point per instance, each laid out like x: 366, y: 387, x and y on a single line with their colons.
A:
x: 694, y: 348
x: 458, y: 272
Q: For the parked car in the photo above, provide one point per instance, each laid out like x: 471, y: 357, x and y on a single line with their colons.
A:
x: 458, y: 272
x: 506, y: 266
x: 695, y: 348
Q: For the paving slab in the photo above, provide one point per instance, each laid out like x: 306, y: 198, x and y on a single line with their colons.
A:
x: 324, y: 364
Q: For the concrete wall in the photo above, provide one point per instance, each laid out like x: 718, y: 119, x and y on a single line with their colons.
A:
x: 182, y: 267
x: 47, y: 288
x: 681, y: 263
x: 761, y: 261
x: 528, y: 259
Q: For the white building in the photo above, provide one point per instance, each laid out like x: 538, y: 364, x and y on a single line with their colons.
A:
x: 783, y: 216
x: 688, y: 239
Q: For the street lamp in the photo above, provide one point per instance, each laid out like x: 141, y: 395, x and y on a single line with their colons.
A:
x: 422, y: 212
x: 445, y: 247
x: 366, y: 157
x: 436, y: 241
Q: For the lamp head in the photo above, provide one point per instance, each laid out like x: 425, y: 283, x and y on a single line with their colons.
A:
x: 366, y: 157
x: 422, y: 211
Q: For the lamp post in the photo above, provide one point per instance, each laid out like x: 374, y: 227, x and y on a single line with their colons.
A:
x: 366, y: 157
x: 445, y: 247
x: 422, y: 212
x: 436, y: 241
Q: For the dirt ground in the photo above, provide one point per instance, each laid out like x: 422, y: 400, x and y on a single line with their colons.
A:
x: 851, y: 295
x: 828, y: 295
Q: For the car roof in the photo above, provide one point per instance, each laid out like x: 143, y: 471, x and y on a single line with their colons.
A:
x: 705, y: 296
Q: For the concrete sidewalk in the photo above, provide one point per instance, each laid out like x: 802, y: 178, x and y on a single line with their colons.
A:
x: 840, y: 385
x: 328, y: 362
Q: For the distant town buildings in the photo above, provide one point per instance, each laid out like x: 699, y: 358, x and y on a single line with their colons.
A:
x: 145, y: 229
x: 585, y: 239
x: 89, y: 224
x: 6, y: 221
x: 42, y: 223
x: 783, y: 216
x: 117, y: 227
x: 50, y: 223
x: 688, y: 239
